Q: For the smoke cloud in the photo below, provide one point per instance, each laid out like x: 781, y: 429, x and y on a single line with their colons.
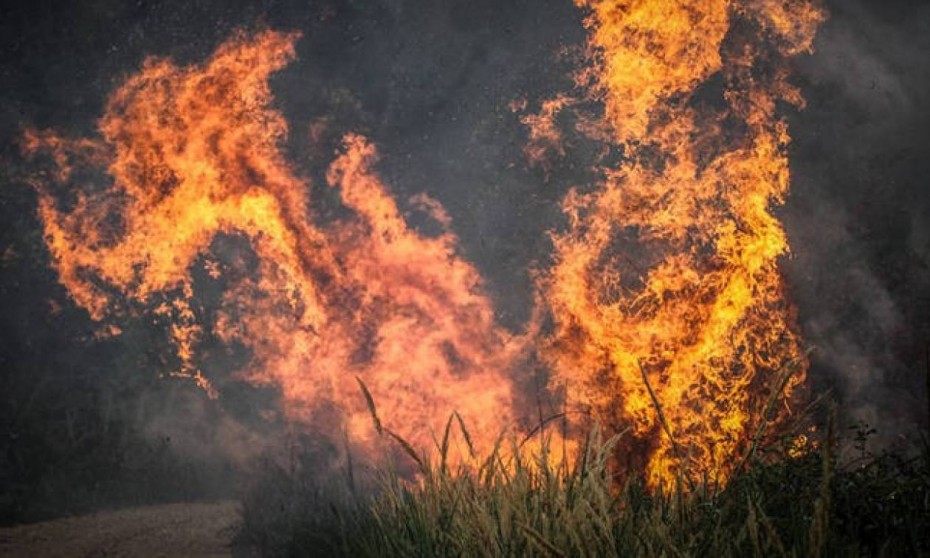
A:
x: 859, y: 212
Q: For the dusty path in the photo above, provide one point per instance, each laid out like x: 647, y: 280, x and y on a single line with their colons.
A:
x: 201, y: 529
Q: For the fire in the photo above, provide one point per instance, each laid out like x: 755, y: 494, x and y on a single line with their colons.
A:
x: 194, y: 153
x: 669, y: 311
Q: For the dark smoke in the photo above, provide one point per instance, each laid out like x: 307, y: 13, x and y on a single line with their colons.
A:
x: 859, y: 213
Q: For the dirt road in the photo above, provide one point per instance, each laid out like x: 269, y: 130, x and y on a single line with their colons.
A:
x: 202, y: 529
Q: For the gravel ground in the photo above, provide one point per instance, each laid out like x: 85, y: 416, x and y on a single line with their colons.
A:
x: 189, y: 529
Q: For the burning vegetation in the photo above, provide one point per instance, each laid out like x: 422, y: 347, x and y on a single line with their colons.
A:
x: 655, y: 402
x: 662, y: 315
x: 194, y: 153
x: 666, y: 295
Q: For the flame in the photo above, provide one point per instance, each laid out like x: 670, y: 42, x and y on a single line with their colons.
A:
x: 669, y: 311
x: 545, y: 139
x: 193, y: 153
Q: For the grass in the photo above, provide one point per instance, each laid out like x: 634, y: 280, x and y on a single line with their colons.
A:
x: 518, y: 503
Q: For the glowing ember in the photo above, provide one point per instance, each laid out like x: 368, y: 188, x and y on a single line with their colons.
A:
x: 195, y: 152
x: 666, y: 279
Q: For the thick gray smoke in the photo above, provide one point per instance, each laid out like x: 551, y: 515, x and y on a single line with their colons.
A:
x: 859, y: 213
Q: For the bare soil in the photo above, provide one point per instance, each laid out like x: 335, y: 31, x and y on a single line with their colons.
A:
x: 189, y: 529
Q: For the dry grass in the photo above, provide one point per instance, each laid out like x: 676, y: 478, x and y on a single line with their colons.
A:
x: 520, y: 504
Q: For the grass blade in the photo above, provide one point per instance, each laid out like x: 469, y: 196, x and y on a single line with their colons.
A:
x: 371, y: 405
x: 408, y: 449
x: 471, y: 447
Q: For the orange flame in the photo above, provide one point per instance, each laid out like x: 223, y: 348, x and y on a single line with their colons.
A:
x: 668, y: 304
x: 194, y: 152
x: 668, y: 311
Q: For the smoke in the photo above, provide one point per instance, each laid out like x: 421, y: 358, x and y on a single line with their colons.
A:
x: 859, y: 213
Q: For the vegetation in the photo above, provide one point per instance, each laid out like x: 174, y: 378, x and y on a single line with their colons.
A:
x: 62, y: 458
x: 806, y: 505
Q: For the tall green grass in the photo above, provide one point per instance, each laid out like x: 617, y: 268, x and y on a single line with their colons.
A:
x: 518, y: 503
